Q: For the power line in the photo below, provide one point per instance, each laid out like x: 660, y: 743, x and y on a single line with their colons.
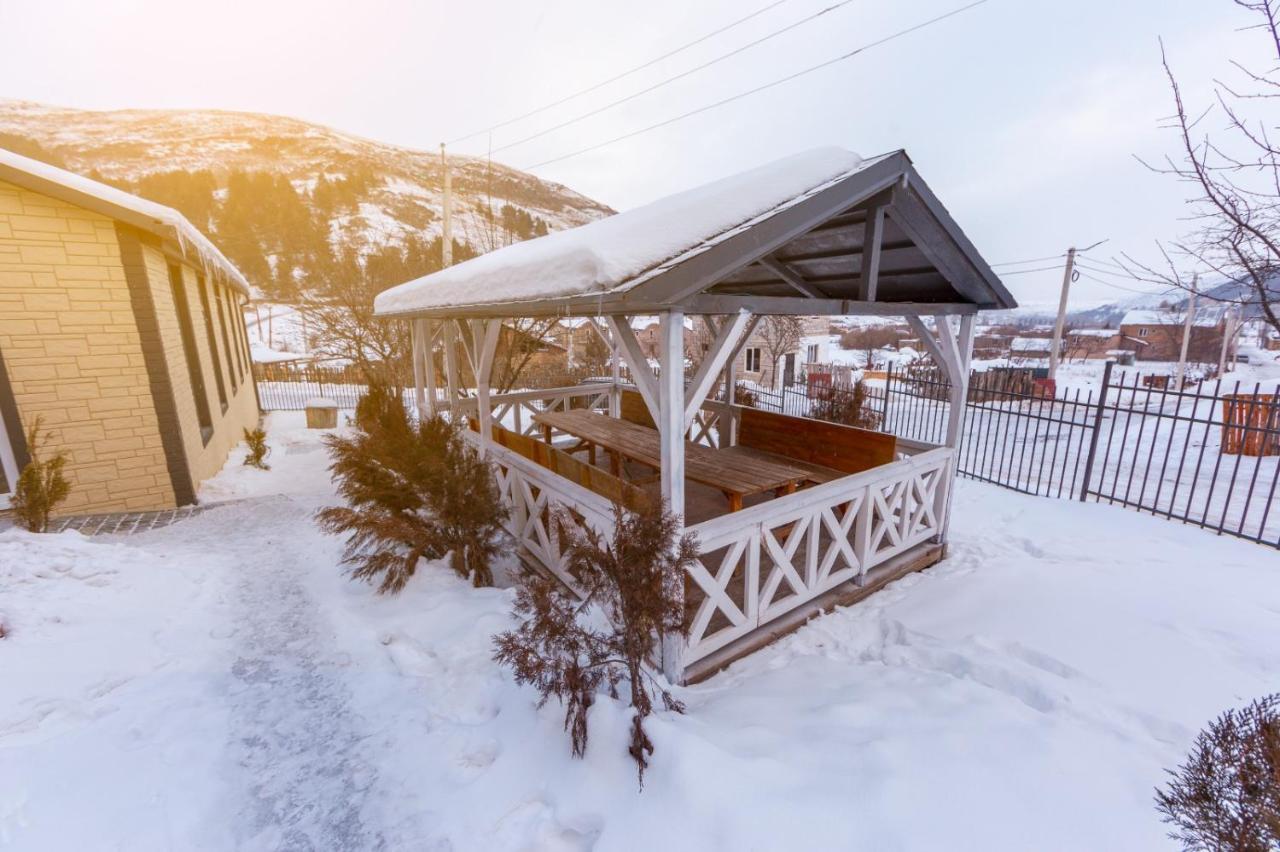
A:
x: 1115, y: 286
x: 758, y: 89
x: 1102, y: 271
x: 1029, y: 260
x: 1024, y: 271
x: 615, y: 78
x: 674, y: 78
x: 1105, y: 262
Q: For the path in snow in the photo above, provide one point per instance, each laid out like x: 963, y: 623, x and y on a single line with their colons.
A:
x: 299, y: 745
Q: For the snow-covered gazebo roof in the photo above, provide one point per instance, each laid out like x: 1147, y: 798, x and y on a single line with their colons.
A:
x: 164, y: 222
x: 822, y: 232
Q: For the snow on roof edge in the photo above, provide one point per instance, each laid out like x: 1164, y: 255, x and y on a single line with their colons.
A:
x: 591, y: 259
x: 164, y: 221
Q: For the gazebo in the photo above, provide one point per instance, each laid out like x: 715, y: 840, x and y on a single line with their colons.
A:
x: 812, y: 514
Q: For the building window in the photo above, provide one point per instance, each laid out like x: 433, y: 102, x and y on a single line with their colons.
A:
x: 201, y: 285
x: 1142, y: 332
x: 242, y: 335
x: 753, y: 359
x: 194, y: 374
x: 226, y: 338
x: 811, y: 354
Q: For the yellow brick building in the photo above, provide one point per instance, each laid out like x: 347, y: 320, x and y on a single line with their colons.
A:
x: 121, y: 327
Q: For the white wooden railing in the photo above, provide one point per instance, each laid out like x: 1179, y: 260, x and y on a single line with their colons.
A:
x: 515, y: 410
x: 533, y: 493
x: 760, y: 563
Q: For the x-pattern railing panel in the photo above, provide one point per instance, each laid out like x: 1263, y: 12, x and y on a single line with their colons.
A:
x: 788, y: 551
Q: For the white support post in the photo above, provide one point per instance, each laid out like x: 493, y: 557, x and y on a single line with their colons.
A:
x: 418, y: 334
x: 930, y: 342
x: 451, y: 363
x: 671, y: 402
x: 469, y: 335
x: 641, y: 375
x: 731, y: 378
x: 957, y: 351
x: 486, y: 345
x: 958, y: 375
x: 713, y: 361
x: 615, y: 376
x: 671, y: 429
x: 429, y: 367
x: 615, y: 366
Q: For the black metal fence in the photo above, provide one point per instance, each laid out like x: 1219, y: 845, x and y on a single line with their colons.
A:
x: 289, y: 386
x: 1207, y: 454
x: 1032, y: 443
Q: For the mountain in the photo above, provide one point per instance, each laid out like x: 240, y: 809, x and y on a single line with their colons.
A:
x: 293, y: 203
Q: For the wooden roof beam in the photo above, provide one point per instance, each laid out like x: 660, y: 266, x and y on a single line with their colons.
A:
x: 804, y: 306
x: 849, y: 253
x: 789, y: 275
x: 868, y: 277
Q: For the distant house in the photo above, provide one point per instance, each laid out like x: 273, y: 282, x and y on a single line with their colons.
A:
x: 121, y: 329
x: 1025, y: 349
x: 989, y: 345
x: 1099, y: 344
x: 756, y: 363
x: 755, y: 359
x: 1161, y: 333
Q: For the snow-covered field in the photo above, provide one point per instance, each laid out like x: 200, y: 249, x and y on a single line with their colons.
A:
x: 218, y: 684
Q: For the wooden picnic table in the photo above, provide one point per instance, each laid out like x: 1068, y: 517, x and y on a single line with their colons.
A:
x: 735, y: 471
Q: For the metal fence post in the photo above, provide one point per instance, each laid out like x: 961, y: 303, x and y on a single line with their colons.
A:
x: 1097, y: 430
x: 888, y: 384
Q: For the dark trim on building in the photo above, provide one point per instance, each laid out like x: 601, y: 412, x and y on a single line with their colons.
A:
x: 12, y: 419
x: 153, y: 356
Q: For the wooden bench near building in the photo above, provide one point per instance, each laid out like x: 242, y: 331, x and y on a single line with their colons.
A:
x: 791, y: 515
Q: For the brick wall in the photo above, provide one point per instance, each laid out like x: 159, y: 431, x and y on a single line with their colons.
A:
x: 242, y: 407
x: 72, y: 348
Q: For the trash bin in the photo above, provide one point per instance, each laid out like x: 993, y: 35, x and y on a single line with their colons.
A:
x: 1251, y: 424
x: 321, y: 413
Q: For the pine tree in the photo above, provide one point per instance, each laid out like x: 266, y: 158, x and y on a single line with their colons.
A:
x: 413, y: 491
x: 636, y: 579
x: 41, y: 485
x: 1227, y: 794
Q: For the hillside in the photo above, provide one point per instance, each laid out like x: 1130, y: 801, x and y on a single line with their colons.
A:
x: 295, y: 203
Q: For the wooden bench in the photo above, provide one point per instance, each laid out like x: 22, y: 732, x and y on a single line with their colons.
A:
x: 827, y: 450
x: 611, y: 487
x: 631, y: 408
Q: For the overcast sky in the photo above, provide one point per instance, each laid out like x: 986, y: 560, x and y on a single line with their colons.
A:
x: 1023, y: 115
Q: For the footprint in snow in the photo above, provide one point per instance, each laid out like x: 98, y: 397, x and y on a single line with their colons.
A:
x: 533, y: 825
x: 410, y: 658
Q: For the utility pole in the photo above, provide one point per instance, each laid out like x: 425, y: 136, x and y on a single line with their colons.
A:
x: 1229, y: 329
x: 446, y: 236
x: 1067, y: 273
x: 1186, y: 334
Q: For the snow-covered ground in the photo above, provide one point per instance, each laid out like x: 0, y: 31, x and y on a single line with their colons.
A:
x: 218, y: 684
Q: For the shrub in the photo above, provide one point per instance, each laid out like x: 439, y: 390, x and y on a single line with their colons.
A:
x: 846, y: 406
x: 41, y: 485
x: 636, y: 580
x: 412, y: 491
x: 258, y: 449
x: 1227, y: 794
x: 743, y: 395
